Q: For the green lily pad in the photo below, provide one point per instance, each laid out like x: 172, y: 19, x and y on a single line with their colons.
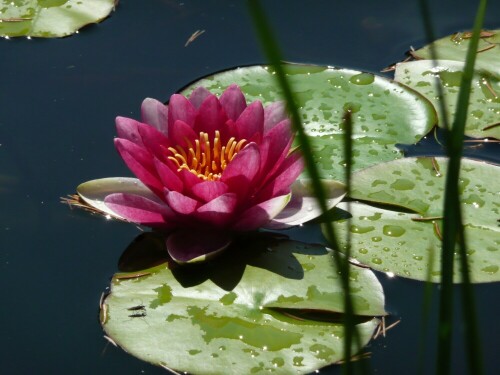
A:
x: 484, y: 110
x: 50, y: 18
x: 454, y: 47
x: 275, y: 307
x: 405, y: 238
x: 384, y: 112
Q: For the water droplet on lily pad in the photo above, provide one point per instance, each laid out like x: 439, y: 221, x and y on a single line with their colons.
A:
x: 308, y: 266
x: 321, y: 351
x: 490, y: 269
x: 278, y: 362
x: 451, y: 78
x: 297, y: 361
x: 228, y: 298
x: 477, y: 113
x: 353, y: 107
x: 474, y: 200
x: 393, y: 230
x: 403, y: 184
x: 362, y: 79
x: 359, y: 229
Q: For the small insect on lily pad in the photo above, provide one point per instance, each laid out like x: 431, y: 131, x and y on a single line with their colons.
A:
x: 384, y: 112
x: 50, y: 18
x: 264, y: 306
x: 403, y: 237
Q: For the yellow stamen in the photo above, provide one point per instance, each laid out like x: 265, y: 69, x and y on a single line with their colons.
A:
x: 239, y: 145
x: 198, y: 149
x: 205, y: 159
x: 181, y: 151
x: 231, y: 149
x: 217, y: 146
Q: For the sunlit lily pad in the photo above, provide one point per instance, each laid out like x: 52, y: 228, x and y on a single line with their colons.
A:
x: 385, y: 112
x: 50, y: 18
x: 404, y: 239
x: 454, y: 47
x: 274, y: 307
x: 484, y: 110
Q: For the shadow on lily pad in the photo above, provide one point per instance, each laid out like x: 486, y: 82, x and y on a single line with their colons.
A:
x: 257, y: 249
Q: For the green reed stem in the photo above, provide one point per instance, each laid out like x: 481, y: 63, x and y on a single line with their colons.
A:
x: 353, y: 334
x: 272, y: 51
x: 453, y: 233
x: 426, y: 310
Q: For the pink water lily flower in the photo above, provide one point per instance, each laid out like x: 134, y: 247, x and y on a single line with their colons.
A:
x: 207, y: 168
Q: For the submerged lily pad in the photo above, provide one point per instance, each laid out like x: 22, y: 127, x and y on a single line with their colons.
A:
x: 484, y: 110
x: 50, y: 18
x: 454, y: 47
x: 405, y: 238
x: 384, y: 112
x: 275, y: 307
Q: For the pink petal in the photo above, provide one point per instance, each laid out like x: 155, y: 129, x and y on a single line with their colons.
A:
x: 140, y: 162
x: 233, y: 102
x: 274, y: 148
x: 218, y: 211
x: 210, y: 116
x: 189, y: 180
x: 209, y: 190
x: 195, y: 246
x: 127, y: 128
x: 227, y: 131
x: 179, y: 108
x: 274, y: 114
x: 154, y: 141
x: 291, y: 168
x: 179, y: 131
x: 155, y: 113
x: 250, y: 124
x: 181, y: 203
x: 198, y: 95
x: 168, y: 177
x: 137, y: 152
x: 260, y: 214
x: 241, y: 171
x: 141, y: 210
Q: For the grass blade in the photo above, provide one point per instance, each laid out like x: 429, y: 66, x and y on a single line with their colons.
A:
x: 452, y: 224
x: 272, y: 51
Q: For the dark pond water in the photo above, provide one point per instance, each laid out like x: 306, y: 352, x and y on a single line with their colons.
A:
x: 58, y: 101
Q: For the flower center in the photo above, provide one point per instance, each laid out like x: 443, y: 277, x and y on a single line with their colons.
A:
x: 204, y: 159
